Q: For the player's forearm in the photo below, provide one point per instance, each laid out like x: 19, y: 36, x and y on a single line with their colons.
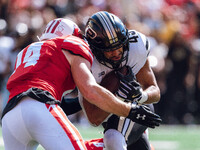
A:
x: 105, y: 100
x: 95, y: 93
x: 153, y: 93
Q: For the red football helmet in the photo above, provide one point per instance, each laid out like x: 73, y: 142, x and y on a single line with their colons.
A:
x: 60, y: 27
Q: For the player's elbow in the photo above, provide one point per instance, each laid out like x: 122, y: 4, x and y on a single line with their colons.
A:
x: 157, y: 96
x: 157, y: 99
x: 90, y: 93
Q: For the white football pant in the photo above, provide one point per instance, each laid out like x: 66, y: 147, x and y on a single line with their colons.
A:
x: 31, y: 123
x: 114, y: 140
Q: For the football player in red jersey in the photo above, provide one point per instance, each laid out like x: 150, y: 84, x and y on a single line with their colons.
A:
x: 44, y: 72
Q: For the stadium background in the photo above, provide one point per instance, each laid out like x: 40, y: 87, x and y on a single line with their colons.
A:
x: 172, y: 26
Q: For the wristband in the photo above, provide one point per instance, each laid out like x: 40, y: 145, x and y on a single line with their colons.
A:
x: 132, y: 111
x: 144, y: 97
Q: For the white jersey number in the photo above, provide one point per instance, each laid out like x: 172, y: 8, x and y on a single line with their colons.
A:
x: 133, y: 37
x: 31, y: 57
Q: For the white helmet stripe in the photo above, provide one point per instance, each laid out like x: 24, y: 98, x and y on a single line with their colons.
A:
x: 108, y: 27
x: 111, y: 26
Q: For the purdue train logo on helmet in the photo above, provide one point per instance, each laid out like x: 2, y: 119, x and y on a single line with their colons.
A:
x: 60, y: 27
x: 106, y: 32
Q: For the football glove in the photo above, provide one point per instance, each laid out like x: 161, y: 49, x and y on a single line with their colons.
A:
x: 142, y: 115
x: 129, y: 88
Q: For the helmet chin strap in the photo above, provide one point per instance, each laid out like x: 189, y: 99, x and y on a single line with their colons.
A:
x: 117, y: 64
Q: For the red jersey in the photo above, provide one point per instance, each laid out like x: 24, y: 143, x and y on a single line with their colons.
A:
x: 94, y: 144
x: 43, y: 65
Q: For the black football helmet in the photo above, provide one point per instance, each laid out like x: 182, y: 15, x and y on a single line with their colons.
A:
x: 106, y: 32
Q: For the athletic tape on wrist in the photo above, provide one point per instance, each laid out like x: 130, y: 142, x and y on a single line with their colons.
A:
x: 144, y: 97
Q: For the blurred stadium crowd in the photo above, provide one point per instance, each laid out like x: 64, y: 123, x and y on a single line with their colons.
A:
x: 172, y: 26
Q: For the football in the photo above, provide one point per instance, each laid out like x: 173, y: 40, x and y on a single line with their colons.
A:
x: 111, y: 80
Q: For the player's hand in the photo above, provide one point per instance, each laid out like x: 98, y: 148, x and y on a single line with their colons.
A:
x: 143, y: 115
x: 129, y: 88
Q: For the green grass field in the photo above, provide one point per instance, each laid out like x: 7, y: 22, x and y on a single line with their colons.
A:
x: 162, y: 138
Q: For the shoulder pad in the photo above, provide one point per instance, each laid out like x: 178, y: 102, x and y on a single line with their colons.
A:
x: 135, y: 36
x: 77, y: 46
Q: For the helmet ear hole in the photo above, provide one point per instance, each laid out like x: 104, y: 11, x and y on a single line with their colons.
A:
x: 98, y: 40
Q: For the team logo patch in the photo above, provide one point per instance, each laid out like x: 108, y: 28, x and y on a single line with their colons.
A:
x: 59, y: 30
x: 141, y: 116
x: 90, y: 32
x: 101, y: 73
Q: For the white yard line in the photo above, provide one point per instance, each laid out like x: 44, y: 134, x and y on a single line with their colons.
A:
x: 165, y: 145
x: 1, y: 141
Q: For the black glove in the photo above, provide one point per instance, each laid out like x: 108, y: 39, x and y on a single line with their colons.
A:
x: 129, y: 88
x: 143, y: 115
